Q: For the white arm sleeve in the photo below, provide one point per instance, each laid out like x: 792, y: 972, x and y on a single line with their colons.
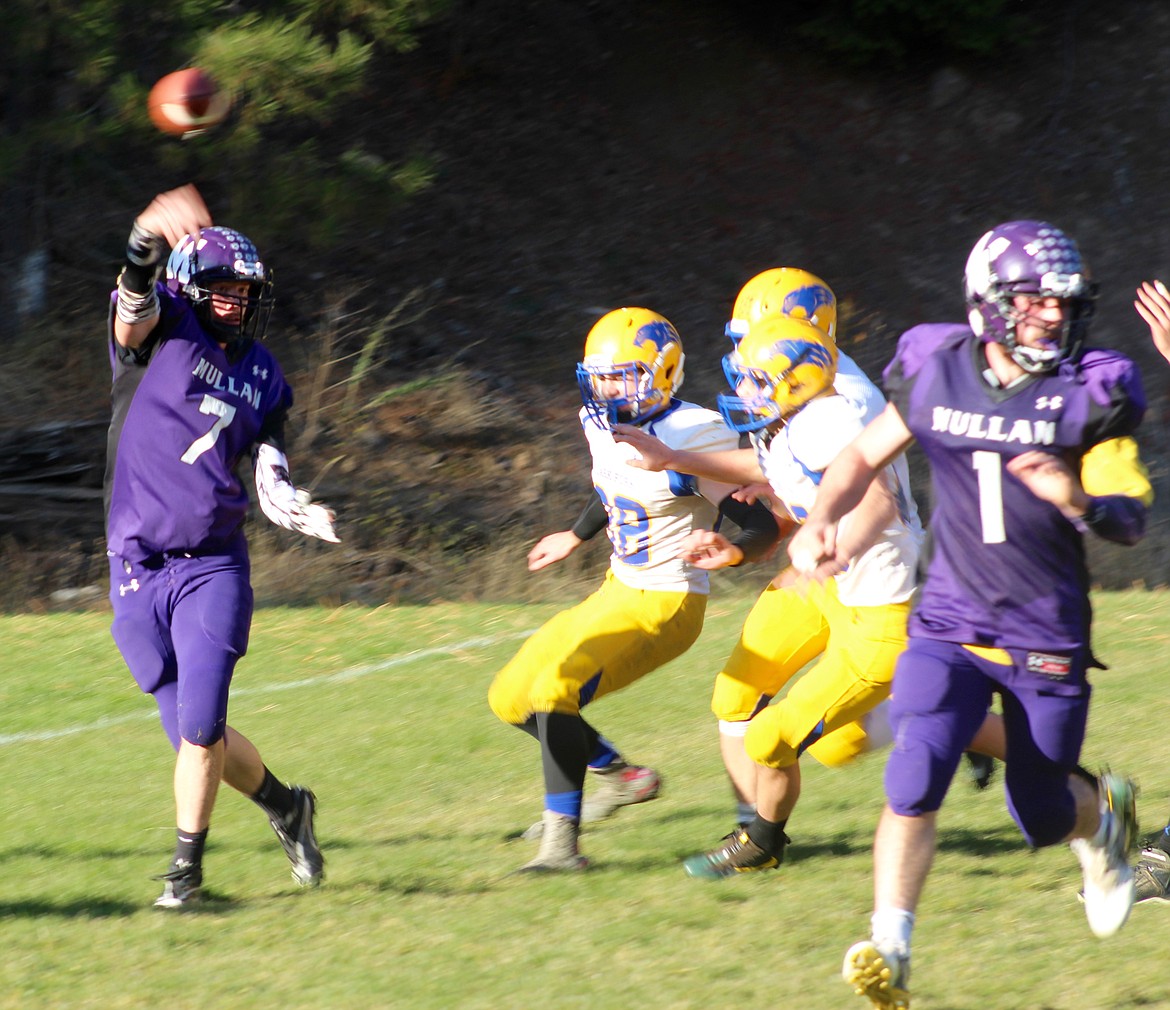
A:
x: 282, y: 503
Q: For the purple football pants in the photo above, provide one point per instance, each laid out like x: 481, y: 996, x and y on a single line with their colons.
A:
x: 181, y: 623
x: 940, y: 697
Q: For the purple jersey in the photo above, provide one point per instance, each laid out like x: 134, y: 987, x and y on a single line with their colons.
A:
x: 183, y: 417
x: 1007, y: 569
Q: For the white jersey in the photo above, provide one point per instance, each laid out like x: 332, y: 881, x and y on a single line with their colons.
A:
x: 853, y: 384
x: 795, y: 459
x: 651, y: 514
x: 857, y: 387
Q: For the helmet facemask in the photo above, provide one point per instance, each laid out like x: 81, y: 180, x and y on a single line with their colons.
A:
x: 1065, y: 339
x: 775, y: 370
x: 255, y: 309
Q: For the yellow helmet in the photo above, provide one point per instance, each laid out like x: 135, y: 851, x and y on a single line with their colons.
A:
x: 784, y: 291
x: 780, y: 365
x: 633, y: 365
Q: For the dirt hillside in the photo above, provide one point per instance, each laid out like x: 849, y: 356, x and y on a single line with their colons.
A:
x: 598, y: 154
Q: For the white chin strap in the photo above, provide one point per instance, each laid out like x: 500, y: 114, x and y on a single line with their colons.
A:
x: 1035, y: 359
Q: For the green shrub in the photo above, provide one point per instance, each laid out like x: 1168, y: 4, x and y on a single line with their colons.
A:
x: 901, y: 33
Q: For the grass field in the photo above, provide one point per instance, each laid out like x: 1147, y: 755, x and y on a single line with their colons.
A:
x: 383, y: 713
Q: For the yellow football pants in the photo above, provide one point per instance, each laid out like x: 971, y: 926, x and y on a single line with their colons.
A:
x: 603, y: 644
x: 823, y: 712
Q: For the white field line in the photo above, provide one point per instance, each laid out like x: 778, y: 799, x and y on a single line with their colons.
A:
x: 353, y: 673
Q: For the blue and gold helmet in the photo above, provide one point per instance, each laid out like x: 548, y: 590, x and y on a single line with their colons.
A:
x: 632, y: 366
x: 784, y: 291
x: 781, y: 364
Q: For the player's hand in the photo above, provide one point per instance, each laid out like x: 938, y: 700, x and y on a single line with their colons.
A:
x: 812, y: 546
x: 709, y: 550
x: 653, y: 453
x: 553, y: 548
x: 313, y: 519
x: 175, y: 213
x: 1050, y: 479
x: 1153, y: 305
x: 752, y: 493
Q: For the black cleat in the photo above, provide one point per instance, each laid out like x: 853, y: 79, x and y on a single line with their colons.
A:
x: 737, y: 854
x: 183, y: 887
x: 295, y: 832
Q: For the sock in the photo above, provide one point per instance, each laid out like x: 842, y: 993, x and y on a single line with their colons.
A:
x: 891, y: 930
x: 189, y: 848
x: 564, y: 755
x: 565, y: 804
x: 768, y: 835
x: 605, y: 755
x: 274, y: 796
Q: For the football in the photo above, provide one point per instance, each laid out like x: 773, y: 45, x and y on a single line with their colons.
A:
x: 187, y: 102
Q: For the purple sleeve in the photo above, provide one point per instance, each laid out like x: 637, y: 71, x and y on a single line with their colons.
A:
x: 1115, y: 385
x: 915, y: 346
x: 1116, y: 517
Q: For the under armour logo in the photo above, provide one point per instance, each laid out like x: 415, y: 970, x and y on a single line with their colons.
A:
x: 129, y: 587
x: 262, y: 372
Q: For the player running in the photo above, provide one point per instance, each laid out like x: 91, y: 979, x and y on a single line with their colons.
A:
x: 786, y: 394
x: 651, y: 605
x: 1028, y: 438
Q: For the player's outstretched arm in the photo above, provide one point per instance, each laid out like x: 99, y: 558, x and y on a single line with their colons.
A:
x: 1153, y: 305
x: 283, y: 503
x: 727, y: 466
x: 558, y: 546
x: 861, y: 527
x: 166, y: 219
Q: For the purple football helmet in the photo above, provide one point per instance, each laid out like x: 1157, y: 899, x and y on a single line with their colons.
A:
x: 1029, y: 258
x: 222, y: 254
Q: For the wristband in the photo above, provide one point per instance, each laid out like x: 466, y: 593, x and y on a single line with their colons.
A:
x: 1118, y: 518
x: 136, y: 306
x: 144, y: 248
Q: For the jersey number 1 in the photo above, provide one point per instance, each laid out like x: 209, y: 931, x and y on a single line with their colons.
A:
x: 989, y: 468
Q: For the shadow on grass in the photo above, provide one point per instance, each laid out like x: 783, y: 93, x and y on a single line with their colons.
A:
x: 82, y: 908
x: 211, y: 903
x: 984, y: 842
x: 407, y: 884
x: 71, y: 852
